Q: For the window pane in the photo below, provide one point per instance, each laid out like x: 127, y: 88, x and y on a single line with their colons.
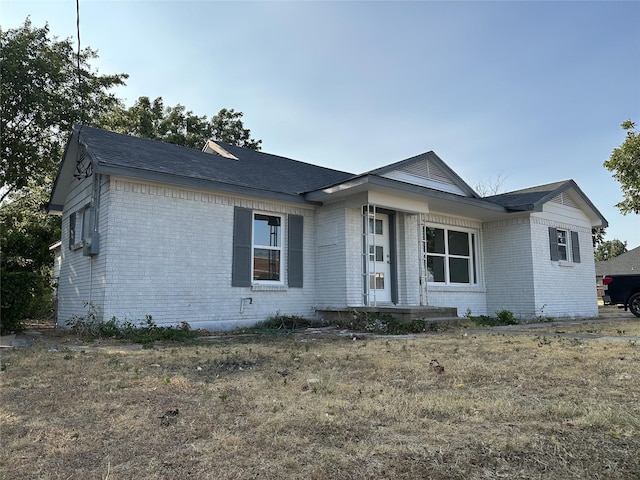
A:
x: 376, y: 282
x: 435, y: 240
x: 435, y: 266
x: 458, y: 243
x: 459, y: 270
x: 562, y: 252
x: 266, y: 230
x: 378, y: 226
x: 266, y: 264
x: 379, y: 256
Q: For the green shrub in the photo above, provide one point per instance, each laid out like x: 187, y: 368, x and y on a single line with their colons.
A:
x: 503, y: 317
x: 284, y: 322
x: 90, y: 327
x: 23, y: 295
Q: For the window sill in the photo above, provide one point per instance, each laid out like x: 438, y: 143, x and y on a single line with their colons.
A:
x: 76, y: 246
x: 268, y: 288
x: 565, y: 263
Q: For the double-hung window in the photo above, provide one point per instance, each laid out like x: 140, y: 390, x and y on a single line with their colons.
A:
x: 267, y: 247
x: 564, y: 245
x: 450, y: 256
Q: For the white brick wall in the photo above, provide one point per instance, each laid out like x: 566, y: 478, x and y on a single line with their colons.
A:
x: 80, y: 276
x: 508, y: 269
x: 169, y: 254
x: 563, y: 289
x: 331, y: 265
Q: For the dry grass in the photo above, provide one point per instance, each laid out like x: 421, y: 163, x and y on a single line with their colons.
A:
x: 325, y: 407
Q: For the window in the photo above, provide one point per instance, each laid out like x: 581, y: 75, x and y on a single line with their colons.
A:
x: 79, y: 227
x: 450, y: 256
x: 267, y: 246
x: 564, y: 245
x: 260, y: 254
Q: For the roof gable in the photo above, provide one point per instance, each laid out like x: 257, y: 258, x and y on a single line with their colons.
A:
x: 426, y: 170
x: 532, y: 199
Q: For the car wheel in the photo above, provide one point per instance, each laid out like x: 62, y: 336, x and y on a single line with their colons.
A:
x: 634, y: 304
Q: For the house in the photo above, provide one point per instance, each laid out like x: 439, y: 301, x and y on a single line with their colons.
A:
x: 227, y: 237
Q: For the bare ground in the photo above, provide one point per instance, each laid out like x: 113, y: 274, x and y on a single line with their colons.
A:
x: 555, y: 400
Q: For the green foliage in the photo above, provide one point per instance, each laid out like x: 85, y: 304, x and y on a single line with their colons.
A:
x: 227, y: 127
x: 284, y: 322
x: 503, y: 317
x: 24, y: 295
x: 609, y: 249
x: 152, y: 120
x: 40, y: 101
x: 624, y: 163
x: 386, y: 324
x: 90, y: 327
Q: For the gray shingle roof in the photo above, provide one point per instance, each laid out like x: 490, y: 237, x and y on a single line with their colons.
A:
x: 628, y: 262
x: 529, y: 198
x: 256, y: 170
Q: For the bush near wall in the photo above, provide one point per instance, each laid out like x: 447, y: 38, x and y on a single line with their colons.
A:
x: 23, y: 295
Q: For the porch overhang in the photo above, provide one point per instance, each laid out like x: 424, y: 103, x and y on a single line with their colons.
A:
x: 406, y: 197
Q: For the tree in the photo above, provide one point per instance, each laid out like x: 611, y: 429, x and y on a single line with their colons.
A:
x: 609, y: 249
x: 624, y: 163
x: 151, y: 119
x: 45, y: 88
x: 227, y: 127
x: 40, y: 99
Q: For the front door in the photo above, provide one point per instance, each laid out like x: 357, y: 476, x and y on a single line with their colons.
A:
x: 379, y: 268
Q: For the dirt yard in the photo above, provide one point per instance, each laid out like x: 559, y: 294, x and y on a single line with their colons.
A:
x: 555, y: 400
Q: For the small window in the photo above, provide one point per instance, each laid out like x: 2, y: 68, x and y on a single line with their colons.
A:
x: 267, y: 247
x: 79, y: 222
x: 564, y: 245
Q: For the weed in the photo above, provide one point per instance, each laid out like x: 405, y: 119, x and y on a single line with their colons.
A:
x: 90, y: 327
x: 503, y: 317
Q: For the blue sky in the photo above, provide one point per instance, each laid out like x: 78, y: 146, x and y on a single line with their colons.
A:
x: 529, y: 92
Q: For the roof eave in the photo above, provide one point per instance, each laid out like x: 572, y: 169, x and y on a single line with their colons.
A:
x: 203, y: 184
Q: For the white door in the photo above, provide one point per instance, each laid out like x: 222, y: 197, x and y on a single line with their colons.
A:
x: 379, y: 259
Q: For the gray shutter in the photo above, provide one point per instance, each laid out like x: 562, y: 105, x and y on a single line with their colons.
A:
x: 553, y: 244
x: 72, y: 229
x: 575, y: 247
x: 241, y: 263
x: 294, y: 247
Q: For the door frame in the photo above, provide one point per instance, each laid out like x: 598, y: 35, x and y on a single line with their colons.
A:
x: 393, y: 263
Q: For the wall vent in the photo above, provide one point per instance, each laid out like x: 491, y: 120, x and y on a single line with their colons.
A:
x: 565, y: 200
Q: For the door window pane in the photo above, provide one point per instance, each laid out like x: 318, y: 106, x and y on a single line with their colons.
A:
x: 376, y: 281
x: 379, y: 253
x: 378, y: 226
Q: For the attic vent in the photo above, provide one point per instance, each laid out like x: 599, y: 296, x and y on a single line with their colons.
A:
x: 427, y: 170
x: 213, y: 147
x: 563, y: 199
